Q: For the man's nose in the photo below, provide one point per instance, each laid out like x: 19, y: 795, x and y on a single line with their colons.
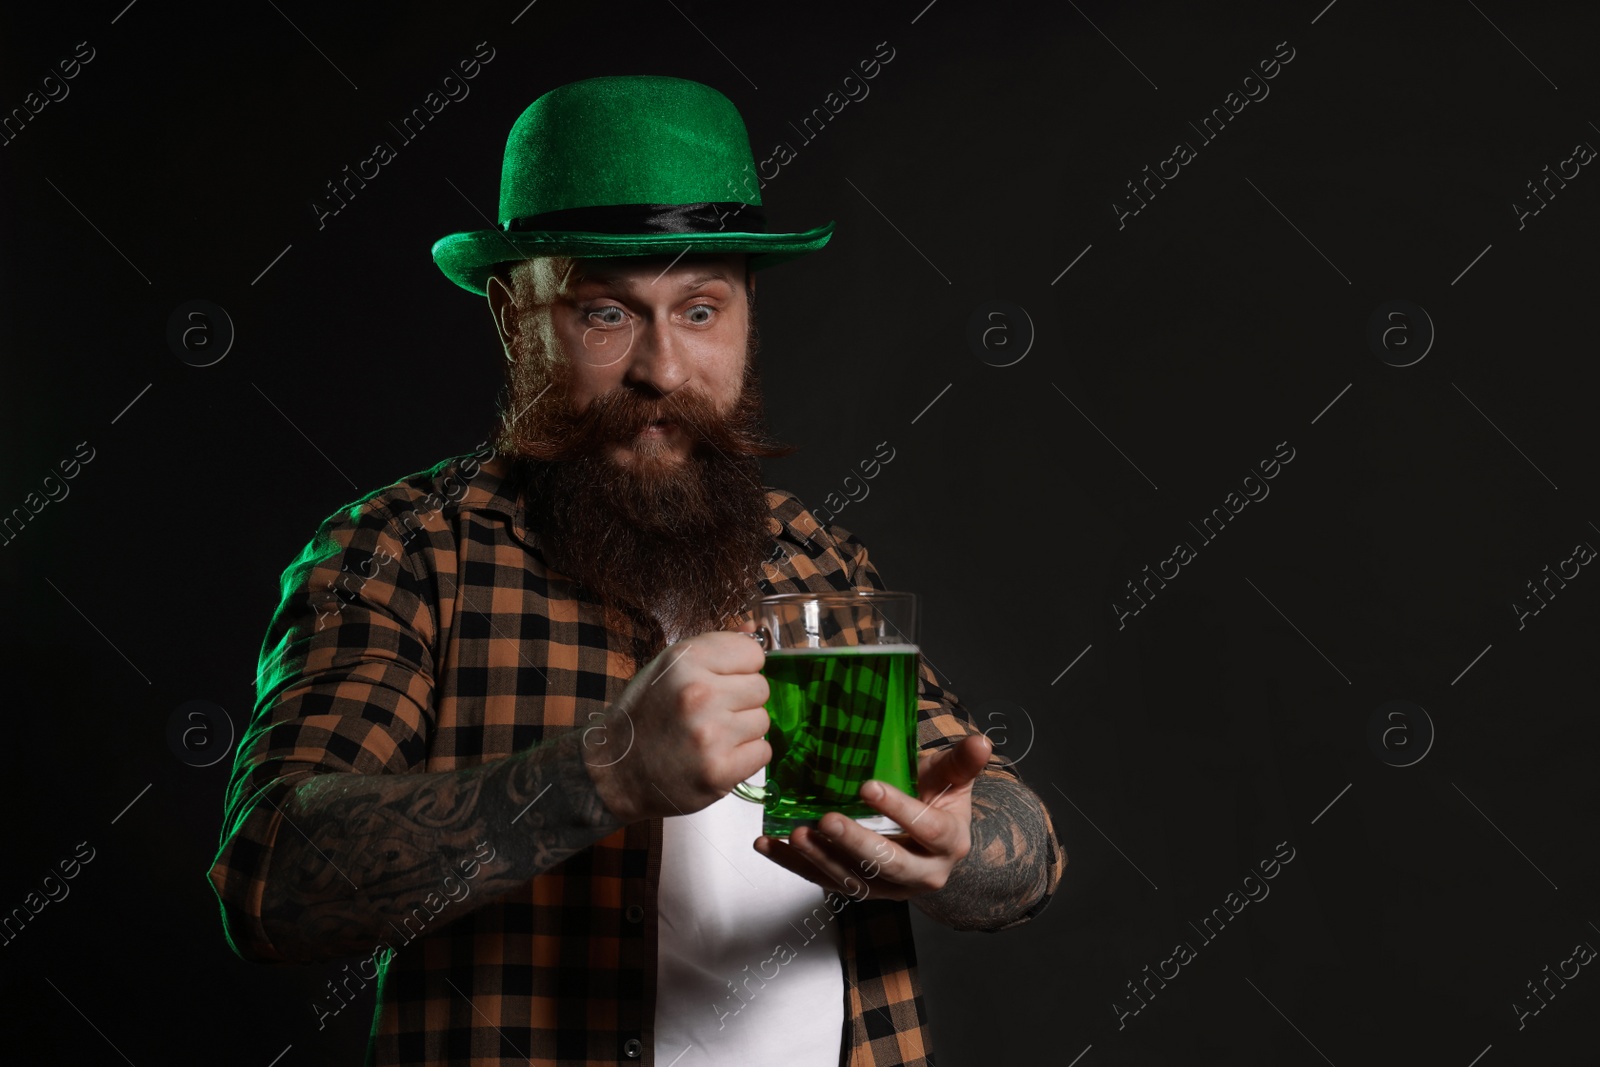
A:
x: 657, y: 360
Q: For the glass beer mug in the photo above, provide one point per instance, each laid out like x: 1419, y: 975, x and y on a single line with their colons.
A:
x: 842, y: 671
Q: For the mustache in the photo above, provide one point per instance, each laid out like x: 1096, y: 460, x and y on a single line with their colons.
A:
x: 553, y: 432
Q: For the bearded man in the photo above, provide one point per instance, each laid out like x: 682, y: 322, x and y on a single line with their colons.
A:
x: 504, y: 700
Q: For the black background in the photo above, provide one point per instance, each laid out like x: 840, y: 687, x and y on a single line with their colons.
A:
x: 1230, y: 315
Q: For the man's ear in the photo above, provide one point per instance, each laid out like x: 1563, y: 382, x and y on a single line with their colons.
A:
x: 503, y: 308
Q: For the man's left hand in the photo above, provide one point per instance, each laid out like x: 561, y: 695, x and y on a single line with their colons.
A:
x: 848, y: 858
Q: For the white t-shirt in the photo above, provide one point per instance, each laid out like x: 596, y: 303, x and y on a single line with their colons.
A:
x: 748, y: 968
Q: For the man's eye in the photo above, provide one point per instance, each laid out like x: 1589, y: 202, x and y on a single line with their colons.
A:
x: 608, y: 310
x: 710, y: 313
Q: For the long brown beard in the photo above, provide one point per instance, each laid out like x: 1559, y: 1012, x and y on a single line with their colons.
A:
x: 680, y: 541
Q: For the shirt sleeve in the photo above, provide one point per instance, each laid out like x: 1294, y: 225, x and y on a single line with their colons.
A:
x: 942, y: 721
x: 345, y: 686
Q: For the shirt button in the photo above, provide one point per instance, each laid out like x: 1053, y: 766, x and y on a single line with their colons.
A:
x: 632, y: 1048
x: 634, y: 913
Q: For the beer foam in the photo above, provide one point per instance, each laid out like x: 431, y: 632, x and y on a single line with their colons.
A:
x: 845, y: 650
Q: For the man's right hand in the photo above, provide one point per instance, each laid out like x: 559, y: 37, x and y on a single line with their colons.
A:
x: 691, y: 725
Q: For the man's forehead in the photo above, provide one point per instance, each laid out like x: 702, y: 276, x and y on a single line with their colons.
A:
x: 680, y: 271
x: 552, y: 277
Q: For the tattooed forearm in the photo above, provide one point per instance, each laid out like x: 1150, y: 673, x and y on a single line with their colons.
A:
x: 1008, y: 868
x: 360, y: 851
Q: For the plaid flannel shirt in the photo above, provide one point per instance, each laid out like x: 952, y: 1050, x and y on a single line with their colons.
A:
x: 421, y: 630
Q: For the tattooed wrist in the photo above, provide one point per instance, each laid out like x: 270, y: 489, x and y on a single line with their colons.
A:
x: 1007, y: 869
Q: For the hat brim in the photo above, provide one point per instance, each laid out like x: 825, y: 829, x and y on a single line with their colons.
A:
x: 466, y: 258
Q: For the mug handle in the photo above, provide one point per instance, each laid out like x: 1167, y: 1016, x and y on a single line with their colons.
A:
x: 744, y: 790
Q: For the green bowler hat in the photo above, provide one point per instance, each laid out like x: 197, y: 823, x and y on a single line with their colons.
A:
x: 628, y: 165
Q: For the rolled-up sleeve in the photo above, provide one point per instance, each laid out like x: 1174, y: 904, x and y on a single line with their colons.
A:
x: 942, y: 721
x: 345, y: 684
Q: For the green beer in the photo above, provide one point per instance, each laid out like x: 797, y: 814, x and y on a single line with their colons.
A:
x: 840, y: 716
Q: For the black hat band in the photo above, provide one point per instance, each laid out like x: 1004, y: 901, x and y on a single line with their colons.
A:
x: 705, y: 217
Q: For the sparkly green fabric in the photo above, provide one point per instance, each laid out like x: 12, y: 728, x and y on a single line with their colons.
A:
x: 626, y: 139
